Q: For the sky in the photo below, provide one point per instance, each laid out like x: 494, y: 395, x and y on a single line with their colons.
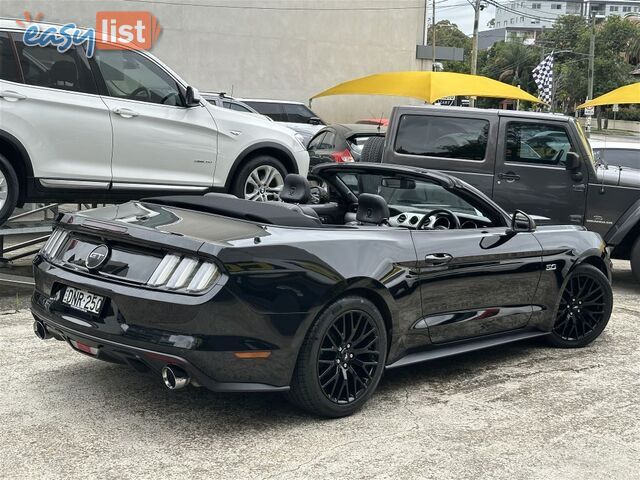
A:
x: 462, y: 15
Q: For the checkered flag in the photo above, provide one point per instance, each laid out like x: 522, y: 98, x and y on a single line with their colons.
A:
x: 543, y: 76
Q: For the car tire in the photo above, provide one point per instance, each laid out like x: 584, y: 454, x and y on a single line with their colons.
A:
x: 261, y: 167
x: 341, y: 360
x: 8, y: 189
x: 635, y: 260
x: 584, y: 308
x: 372, y: 150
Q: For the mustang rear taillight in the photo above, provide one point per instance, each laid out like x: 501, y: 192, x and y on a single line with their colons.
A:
x: 164, y: 270
x: 183, y: 273
x: 56, y: 240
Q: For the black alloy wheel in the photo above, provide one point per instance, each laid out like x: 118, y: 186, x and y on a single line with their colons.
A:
x: 349, y: 356
x: 341, y: 359
x: 584, y: 310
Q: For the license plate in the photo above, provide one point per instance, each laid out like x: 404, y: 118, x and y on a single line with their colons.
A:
x: 82, y: 300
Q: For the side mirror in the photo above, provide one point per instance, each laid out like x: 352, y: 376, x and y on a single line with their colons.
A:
x: 192, y: 97
x: 521, y: 223
x: 572, y: 164
x: 315, y: 121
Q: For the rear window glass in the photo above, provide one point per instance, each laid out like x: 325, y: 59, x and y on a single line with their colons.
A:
x: 357, y: 141
x: 47, y: 67
x: 8, y: 63
x: 444, y: 137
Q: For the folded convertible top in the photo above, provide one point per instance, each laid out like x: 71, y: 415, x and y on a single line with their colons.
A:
x: 270, y: 213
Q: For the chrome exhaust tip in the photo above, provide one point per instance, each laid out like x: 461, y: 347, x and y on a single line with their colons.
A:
x: 175, y: 378
x: 40, y: 330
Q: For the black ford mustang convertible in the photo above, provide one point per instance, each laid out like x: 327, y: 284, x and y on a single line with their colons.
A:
x: 374, y: 267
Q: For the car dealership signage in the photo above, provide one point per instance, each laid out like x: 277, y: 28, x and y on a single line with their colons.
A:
x: 114, y: 30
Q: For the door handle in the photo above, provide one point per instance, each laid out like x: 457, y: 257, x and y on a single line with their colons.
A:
x: 509, y: 176
x: 434, y: 259
x: 12, y: 96
x: 125, y: 112
x: 579, y: 187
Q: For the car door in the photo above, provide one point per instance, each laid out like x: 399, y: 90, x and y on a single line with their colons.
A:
x: 477, y: 281
x: 530, y: 174
x: 52, y: 106
x: 473, y: 281
x: 158, y: 142
x: 322, y: 146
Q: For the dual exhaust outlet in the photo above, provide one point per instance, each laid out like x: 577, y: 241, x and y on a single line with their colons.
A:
x: 174, y: 377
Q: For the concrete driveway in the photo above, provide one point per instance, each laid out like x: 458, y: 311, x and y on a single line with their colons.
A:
x: 524, y: 411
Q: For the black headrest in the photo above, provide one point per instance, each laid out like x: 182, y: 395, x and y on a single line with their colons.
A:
x: 296, y: 189
x: 372, y: 209
x: 63, y: 74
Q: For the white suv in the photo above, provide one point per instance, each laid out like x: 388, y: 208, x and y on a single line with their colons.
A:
x: 121, y: 125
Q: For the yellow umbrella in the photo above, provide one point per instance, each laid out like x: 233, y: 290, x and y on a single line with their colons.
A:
x: 428, y: 86
x: 627, y: 94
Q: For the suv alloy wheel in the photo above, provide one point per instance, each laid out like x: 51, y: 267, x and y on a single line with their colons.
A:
x: 261, y: 179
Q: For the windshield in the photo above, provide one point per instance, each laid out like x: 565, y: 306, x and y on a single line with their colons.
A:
x: 405, y: 194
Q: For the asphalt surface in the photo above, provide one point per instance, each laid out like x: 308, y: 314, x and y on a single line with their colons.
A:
x: 522, y: 411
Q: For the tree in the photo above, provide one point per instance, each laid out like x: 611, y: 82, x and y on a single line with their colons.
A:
x: 449, y: 35
x: 510, y: 62
x: 614, y: 52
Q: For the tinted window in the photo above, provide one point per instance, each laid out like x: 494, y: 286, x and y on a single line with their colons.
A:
x: 328, y: 141
x: 46, y: 67
x: 536, y: 143
x: 357, y: 141
x: 447, y: 137
x: 298, y: 113
x: 316, y: 141
x: 272, y: 110
x: 8, y: 63
x: 237, y: 107
x: 130, y: 75
x: 620, y: 157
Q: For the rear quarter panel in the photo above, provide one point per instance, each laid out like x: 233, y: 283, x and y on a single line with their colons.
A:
x: 296, y: 270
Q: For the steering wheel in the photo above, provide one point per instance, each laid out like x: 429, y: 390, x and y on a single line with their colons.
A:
x: 136, y: 93
x: 167, y: 97
x: 557, y: 157
x: 455, y: 221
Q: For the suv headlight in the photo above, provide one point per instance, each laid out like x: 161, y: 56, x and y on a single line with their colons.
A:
x: 184, y: 273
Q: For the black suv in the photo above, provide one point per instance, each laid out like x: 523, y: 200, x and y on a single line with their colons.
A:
x: 537, y: 162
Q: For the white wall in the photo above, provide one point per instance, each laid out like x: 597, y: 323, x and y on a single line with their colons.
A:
x: 288, y: 53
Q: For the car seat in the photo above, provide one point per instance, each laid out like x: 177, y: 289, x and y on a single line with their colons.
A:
x: 372, y: 210
x: 295, y: 193
x: 63, y: 75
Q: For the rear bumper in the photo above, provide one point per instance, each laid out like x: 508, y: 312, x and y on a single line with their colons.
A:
x: 148, y: 330
x: 146, y: 361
